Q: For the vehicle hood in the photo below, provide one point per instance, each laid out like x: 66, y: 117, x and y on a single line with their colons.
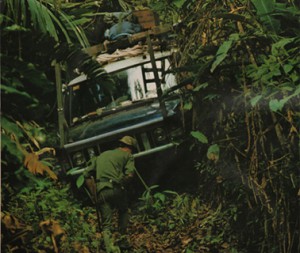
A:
x: 144, y: 114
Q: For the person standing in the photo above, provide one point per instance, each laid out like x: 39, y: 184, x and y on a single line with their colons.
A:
x: 114, y: 170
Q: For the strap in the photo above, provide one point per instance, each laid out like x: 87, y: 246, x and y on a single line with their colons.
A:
x: 103, y: 179
x: 113, y: 182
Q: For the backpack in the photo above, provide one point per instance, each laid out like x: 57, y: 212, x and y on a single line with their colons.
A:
x: 121, y: 30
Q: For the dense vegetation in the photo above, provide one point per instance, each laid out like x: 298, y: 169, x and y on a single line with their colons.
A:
x: 245, y: 61
x: 240, y: 61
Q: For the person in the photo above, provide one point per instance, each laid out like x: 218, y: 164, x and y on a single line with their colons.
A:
x: 114, y: 170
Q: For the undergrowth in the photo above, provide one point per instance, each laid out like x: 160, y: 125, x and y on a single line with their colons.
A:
x: 44, y: 217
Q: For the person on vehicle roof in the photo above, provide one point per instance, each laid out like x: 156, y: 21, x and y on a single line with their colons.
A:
x: 114, y: 169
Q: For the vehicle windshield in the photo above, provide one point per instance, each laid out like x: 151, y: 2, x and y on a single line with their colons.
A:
x: 123, y: 89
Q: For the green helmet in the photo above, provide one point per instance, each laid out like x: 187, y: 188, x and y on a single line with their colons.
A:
x: 129, y: 141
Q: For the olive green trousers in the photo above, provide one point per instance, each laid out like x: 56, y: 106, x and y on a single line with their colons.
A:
x: 111, y: 199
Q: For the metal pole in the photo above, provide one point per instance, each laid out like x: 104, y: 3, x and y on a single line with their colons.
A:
x: 60, y: 110
x: 156, y: 77
x: 142, y: 180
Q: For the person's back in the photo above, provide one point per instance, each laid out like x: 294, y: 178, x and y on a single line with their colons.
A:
x: 114, y: 164
x: 113, y: 167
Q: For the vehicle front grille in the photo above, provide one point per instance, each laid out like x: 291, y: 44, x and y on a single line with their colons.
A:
x: 147, y: 140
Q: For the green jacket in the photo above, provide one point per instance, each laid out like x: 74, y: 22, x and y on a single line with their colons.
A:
x: 112, y: 165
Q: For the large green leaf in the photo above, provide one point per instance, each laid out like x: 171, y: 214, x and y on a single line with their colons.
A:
x: 10, y: 127
x: 199, y: 136
x: 80, y: 181
x: 255, y: 100
x: 264, y: 10
x: 277, y: 105
x: 213, y: 152
x: 15, y: 28
x: 7, y: 145
x: 41, y: 19
x: 223, y: 51
x: 179, y: 3
x: 201, y: 86
x: 188, y: 105
x: 278, y: 47
x: 11, y: 90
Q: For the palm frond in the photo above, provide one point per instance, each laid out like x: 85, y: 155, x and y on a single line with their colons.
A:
x: 41, y: 19
x: 43, y: 16
x: 76, y: 29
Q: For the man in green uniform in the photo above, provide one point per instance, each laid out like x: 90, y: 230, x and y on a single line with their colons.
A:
x: 114, y: 168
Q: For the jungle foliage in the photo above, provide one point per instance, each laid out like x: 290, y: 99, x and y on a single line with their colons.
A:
x: 241, y: 60
x: 30, y: 182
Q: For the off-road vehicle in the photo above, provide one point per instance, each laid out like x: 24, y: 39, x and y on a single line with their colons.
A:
x: 135, y: 101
